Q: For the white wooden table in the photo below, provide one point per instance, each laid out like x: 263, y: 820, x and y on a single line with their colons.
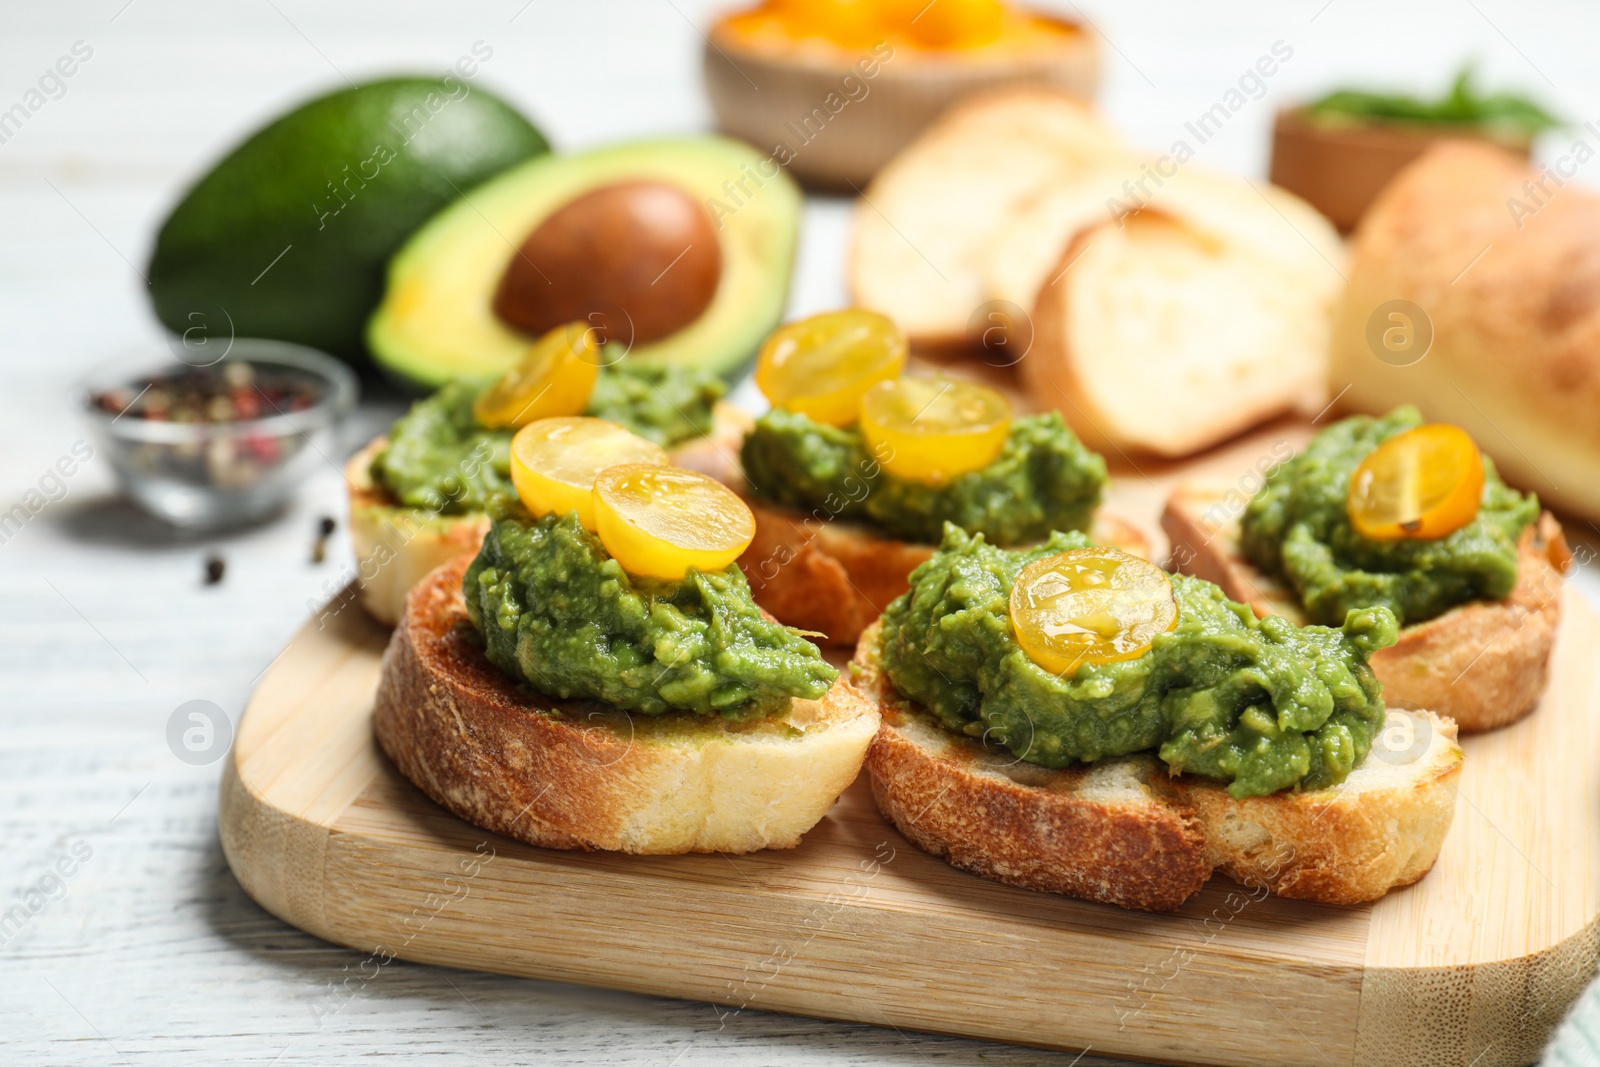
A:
x: 148, y: 951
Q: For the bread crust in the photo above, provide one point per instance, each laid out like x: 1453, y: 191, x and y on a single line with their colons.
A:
x: 1124, y: 831
x: 830, y: 577
x: 1484, y: 663
x: 583, y: 775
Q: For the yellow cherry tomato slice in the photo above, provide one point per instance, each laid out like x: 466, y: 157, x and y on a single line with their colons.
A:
x: 820, y: 366
x: 1422, y: 484
x: 554, y: 377
x: 934, y: 429
x: 554, y: 462
x: 1090, y: 605
x: 956, y: 23
x: 661, y: 521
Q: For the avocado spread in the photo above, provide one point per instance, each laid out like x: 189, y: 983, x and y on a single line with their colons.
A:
x: 1261, y: 704
x: 1297, y: 528
x: 439, y: 458
x: 556, y: 611
x: 1044, y: 479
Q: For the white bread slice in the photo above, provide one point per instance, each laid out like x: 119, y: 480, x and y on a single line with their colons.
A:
x: 396, y: 546
x: 582, y: 775
x: 921, y: 228
x: 1484, y: 663
x: 1123, y: 831
x: 1263, y: 220
x: 1155, y: 337
x: 831, y: 577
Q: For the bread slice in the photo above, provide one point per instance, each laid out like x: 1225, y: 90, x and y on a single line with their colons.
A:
x: 396, y: 545
x: 921, y: 227
x: 1124, y: 831
x: 832, y: 577
x: 1155, y: 336
x: 1263, y: 221
x: 582, y: 775
x: 1484, y: 663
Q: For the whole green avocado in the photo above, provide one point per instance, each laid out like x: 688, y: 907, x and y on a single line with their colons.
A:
x: 288, y: 236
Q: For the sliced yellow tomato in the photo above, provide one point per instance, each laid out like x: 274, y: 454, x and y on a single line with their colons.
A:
x: 554, y: 377
x: 554, y: 462
x: 1422, y: 484
x: 934, y: 429
x: 955, y: 23
x: 820, y: 366
x: 1090, y: 605
x: 661, y: 521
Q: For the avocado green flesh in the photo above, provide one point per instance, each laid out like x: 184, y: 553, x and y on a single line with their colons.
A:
x: 439, y: 457
x: 556, y: 611
x: 1044, y: 479
x: 1260, y: 704
x: 288, y: 236
x: 435, y: 322
x: 1297, y: 527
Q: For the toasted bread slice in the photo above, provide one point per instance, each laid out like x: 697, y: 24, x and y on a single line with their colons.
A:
x: 396, y: 545
x: 920, y: 229
x: 832, y: 577
x: 1484, y: 663
x: 1124, y: 831
x: 582, y: 775
x: 1154, y: 336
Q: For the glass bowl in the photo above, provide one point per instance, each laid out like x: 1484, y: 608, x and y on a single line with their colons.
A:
x: 272, y: 417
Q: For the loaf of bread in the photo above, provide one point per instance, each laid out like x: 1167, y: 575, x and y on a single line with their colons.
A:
x: 1474, y: 293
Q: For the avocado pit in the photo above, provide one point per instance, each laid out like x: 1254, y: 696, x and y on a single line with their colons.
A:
x: 639, y: 260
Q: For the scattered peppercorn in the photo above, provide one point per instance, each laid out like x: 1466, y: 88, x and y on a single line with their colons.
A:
x: 319, y: 548
x: 216, y: 566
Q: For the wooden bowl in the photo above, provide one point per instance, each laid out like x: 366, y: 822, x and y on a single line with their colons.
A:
x: 1339, y: 167
x: 832, y: 117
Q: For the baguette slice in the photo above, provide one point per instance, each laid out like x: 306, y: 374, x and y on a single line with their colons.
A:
x: 1267, y: 222
x: 396, y: 545
x: 1154, y: 336
x: 1484, y: 663
x: 832, y: 577
x: 1123, y: 831
x: 583, y: 775
x: 921, y: 228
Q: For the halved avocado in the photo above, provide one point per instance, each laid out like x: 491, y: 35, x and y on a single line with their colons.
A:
x: 438, y: 319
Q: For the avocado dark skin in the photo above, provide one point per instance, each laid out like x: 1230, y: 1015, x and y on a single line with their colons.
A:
x: 288, y: 236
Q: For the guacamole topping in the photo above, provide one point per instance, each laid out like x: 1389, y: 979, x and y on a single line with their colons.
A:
x: 1260, y: 704
x: 1043, y: 479
x: 556, y: 611
x: 1297, y: 528
x: 439, y: 458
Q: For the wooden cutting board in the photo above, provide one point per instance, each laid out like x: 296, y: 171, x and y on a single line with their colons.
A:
x: 1471, y: 967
